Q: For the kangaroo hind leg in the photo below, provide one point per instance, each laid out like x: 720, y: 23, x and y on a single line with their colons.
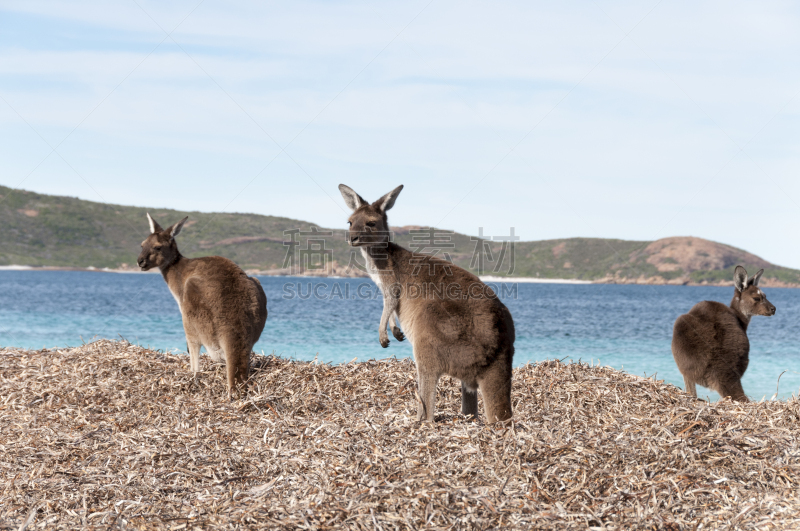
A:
x: 732, y: 388
x: 426, y: 382
x: 469, y: 400
x: 237, y: 365
x: 193, y: 345
x: 495, y: 385
x: 690, y: 386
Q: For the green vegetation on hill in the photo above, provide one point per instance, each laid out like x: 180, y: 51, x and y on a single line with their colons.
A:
x: 46, y: 230
x: 579, y: 258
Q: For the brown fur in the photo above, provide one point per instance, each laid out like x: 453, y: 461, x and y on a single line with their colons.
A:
x: 456, y: 324
x: 222, y: 308
x: 710, y: 342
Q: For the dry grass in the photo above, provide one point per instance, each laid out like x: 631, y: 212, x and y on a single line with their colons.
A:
x: 111, y: 436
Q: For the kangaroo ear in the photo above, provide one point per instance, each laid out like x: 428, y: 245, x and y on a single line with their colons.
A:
x: 756, y: 278
x: 351, y: 198
x: 154, y: 226
x: 176, y: 228
x: 740, y: 278
x: 386, y: 202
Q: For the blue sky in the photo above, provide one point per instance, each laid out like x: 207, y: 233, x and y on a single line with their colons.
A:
x: 601, y: 119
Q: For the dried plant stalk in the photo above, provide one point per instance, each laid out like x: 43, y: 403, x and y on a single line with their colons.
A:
x: 112, y: 435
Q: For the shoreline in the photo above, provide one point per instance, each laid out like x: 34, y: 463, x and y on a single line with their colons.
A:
x: 651, y: 281
x: 14, y: 267
x: 534, y: 280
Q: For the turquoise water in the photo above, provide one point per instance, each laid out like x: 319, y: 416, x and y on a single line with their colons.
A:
x: 336, y: 320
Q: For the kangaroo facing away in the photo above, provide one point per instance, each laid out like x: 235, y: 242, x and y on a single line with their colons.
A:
x: 710, y: 342
x: 456, y: 324
x: 222, y: 308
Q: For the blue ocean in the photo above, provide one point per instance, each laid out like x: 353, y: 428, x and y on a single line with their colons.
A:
x: 336, y: 320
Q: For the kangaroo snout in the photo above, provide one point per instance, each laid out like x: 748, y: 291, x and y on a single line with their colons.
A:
x: 141, y: 261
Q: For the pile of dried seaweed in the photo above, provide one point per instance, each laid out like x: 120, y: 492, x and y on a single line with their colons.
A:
x: 111, y: 435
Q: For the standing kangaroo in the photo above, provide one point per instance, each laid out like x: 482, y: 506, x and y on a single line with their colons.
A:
x: 222, y: 308
x: 456, y: 324
x: 710, y: 342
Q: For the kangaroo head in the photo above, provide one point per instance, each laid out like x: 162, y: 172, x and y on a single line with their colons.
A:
x: 159, y: 249
x: 752, y: 301
x: 368, y: 222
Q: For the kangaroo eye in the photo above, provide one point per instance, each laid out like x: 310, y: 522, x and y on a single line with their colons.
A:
x: 350, y: 223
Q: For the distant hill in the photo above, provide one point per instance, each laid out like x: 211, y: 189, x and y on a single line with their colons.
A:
x: 53, y: 231
x: 675, y: 260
